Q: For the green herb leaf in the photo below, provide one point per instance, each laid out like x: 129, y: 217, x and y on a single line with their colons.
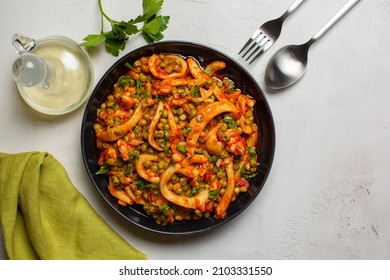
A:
x: 167, y: 136
x: 164, y: 207
x: 182, y: 148
x: 128, y: 65
x: 153, y: 28
x: 213, y: 194
x: 123, y: 81
x: 115, y: 107
x: 194, y: 191
x: 230, y: 121
x: 247, y: 174
x: 138, y: 86
x: 93, y: 40
x: 252, y: 152
x: 114, y: 46
x: 207, y: 70
x: 128, y: 27
x: 119, y: 32
x: 133, y: 156
x: 151, y: 7
x: 103, y: 170
x: 115, y: 40
x: 195, y: 92
x: 141, y: 185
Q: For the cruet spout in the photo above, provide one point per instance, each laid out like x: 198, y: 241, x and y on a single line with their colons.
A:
x: 23, y: 44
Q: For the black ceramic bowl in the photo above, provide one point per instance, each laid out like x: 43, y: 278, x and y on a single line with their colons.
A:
x: 242, y: 80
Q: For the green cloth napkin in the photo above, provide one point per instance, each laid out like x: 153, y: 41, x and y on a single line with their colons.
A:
x: 43, y: 216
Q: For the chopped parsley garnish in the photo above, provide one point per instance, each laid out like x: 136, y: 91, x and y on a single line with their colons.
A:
x: 182, y: 148
x: 230, y: 121
x: 195, y: 92
x: 164, y: 207
x: 252, y: 152
x: 128, y: 65
x: 123, y: 81
x: 141, y: 185
x: 103, y: 170
x: 207, y: 70
x: 213, y: 194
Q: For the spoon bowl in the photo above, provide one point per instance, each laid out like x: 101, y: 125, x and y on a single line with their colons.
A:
x: 287, y: 66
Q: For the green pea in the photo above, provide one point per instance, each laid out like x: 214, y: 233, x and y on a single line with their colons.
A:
x: 164, y: 114
x: 183, y: 181
x: 159, y: 134
x: 176, y: 68
x: 162, y: 65
x: 144, y: 146
x: 226, y: 137
x: 179, y: 191
x: 142, y: 122
x: 97, y: 126
x: 142, y: 78
x: 198, y: 212
x: 221, y: 174
x: 154, y: 168
x: 193, y: 113
x: 224, y: 184
x: 224, y: 154
x: 144, y: 69
x: 169, y: 69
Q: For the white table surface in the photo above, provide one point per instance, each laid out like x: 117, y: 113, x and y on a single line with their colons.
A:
x: 328, y: 191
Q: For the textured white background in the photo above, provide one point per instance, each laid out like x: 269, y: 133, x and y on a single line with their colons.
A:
x: 328, y: 193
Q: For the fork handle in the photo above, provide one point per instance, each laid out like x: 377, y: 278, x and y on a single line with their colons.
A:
x: 292, y: 8
x: 345, y: 9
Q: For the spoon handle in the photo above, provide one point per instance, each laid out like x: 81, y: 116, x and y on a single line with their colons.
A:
x: 334, y: 19
x: 292, y: 8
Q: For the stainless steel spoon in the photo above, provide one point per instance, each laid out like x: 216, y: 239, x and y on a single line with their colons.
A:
x: 289, y: 63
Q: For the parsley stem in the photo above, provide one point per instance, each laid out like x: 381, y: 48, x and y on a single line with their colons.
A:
x: 104, y: 14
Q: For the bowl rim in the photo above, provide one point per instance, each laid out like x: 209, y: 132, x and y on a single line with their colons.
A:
x: 163, y: 229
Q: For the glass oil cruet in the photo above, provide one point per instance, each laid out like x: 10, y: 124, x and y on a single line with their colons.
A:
x: 54, y: 75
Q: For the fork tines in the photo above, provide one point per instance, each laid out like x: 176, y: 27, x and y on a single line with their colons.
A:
x: 259, y: 42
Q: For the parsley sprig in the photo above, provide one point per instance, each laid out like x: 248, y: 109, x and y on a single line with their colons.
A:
x: 115, y: 40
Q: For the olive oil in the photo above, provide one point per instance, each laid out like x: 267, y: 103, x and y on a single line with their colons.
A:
x: 56, y: 75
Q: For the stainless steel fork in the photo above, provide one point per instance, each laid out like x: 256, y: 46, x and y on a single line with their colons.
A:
x: 266, y: 35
